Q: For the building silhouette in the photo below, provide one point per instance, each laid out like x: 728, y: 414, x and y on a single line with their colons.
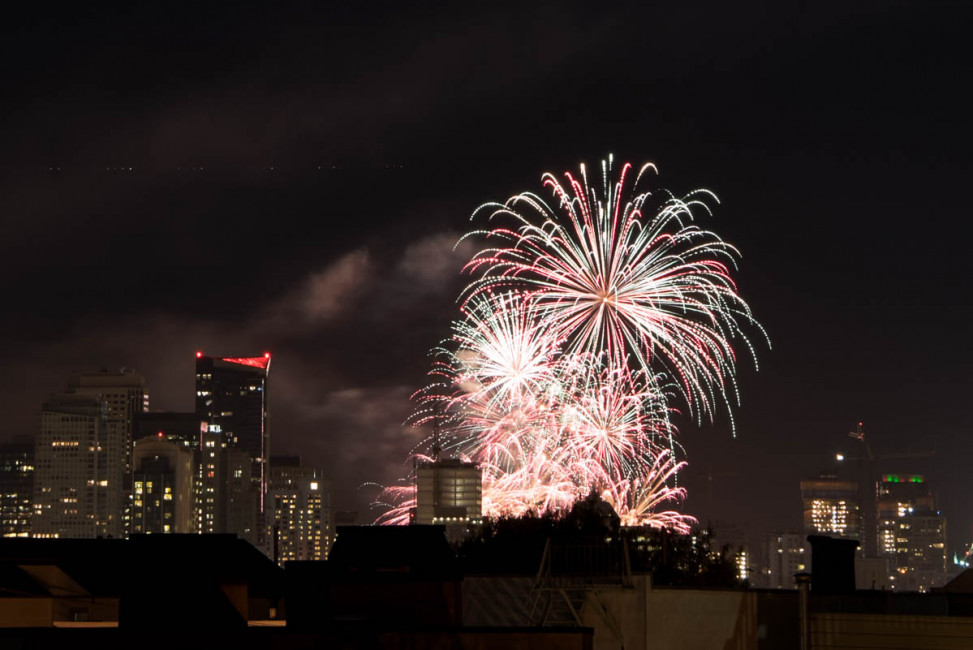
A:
x: 832, y: 506
x: 78, y: 475
x: 125, y: 395
x: 162, y: 487
x: 449, y: 492
x: 192, y: 433
x: 231, y: 397
x: 239, y: 498
x: 16, y: 486
x: 222, y: 488
x: 911, y: 532
x: 787, y: 553
x: 299, y: 510
x: 124, y: 392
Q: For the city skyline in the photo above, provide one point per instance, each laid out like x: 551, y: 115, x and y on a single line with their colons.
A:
x: 298, y: 190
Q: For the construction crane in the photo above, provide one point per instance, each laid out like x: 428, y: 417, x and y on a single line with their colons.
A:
x: 866, y: 485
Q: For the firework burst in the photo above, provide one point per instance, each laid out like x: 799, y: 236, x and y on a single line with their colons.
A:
x: 629, y: 277
x: 584, y: 318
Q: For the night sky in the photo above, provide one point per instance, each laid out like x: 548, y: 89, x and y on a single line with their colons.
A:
x: 294, y: 179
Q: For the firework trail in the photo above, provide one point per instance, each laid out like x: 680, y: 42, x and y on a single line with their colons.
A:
x: 609, y: 275
x: 581, y: 325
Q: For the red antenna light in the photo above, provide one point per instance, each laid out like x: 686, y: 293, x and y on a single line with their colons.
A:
x: 199, y: 355
x: 266, y: 355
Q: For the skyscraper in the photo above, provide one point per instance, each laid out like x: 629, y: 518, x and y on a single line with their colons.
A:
x: 911, y: 532
x: 162, y: 487
x: 190, y: 431
x: 16, y: 486
x: 231, y: 397
x: 831, y: 506
x: 125, y: 394
x: 126, y: 398
x: 78, y: 469
x: 299, y: 511
x: 449, y: 492
x: 787, y: 553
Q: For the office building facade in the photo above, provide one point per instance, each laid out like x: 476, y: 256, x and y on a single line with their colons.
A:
x: 126, y: 397
x: 78, y: 469
x: 449, y: 492
x: 16, y: 486
x: 832, y: 507
x: 787, y: 553
x: 231, y: 396
x: 911, y: 532
x: 300, y: 511
x: 162, y: 481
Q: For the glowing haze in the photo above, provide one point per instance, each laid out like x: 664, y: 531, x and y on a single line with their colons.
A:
x: 589, y: 320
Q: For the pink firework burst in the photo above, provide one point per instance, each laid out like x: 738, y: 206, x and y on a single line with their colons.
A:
x: 585, y: 317
x: 625, y: 274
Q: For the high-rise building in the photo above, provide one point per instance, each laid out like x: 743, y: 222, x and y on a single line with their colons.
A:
x: 124, y: 392
x: 211, y: 483
x: 216, y: 506
x: 191, y: 432
x: 239, y: 496
x: 911, y: 532
x: 231, y: 397
x: 787, y: 553
x: 449, y: 492
x: 162, y: 487
x: 78, y: 469
x: 126, y: 397
x: 16, y: 486
x: 299, y: 498
x: 831, y: 506
x: 734, y: 536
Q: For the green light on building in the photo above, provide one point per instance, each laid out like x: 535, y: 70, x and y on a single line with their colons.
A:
x: 897, y: 478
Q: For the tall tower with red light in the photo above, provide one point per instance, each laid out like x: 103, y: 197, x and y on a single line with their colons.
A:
x: 231, y: 396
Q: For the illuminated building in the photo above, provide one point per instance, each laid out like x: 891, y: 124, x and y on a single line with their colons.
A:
x: 911, y: 532
x: 210, y: 482
x: 831, y: 506
x: 733, y: 536
x: 124, y: 393
x: 449, y: 492
x: 221, y: 477
x: 189, y: 432
x: 238, y: 501
x: 787, y: 553
x: 302, y: 525
x: 231, y: 396
x: 78, y: 469
x: 741, y: 559
x: 16, y: 486
x: 162, y: 486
